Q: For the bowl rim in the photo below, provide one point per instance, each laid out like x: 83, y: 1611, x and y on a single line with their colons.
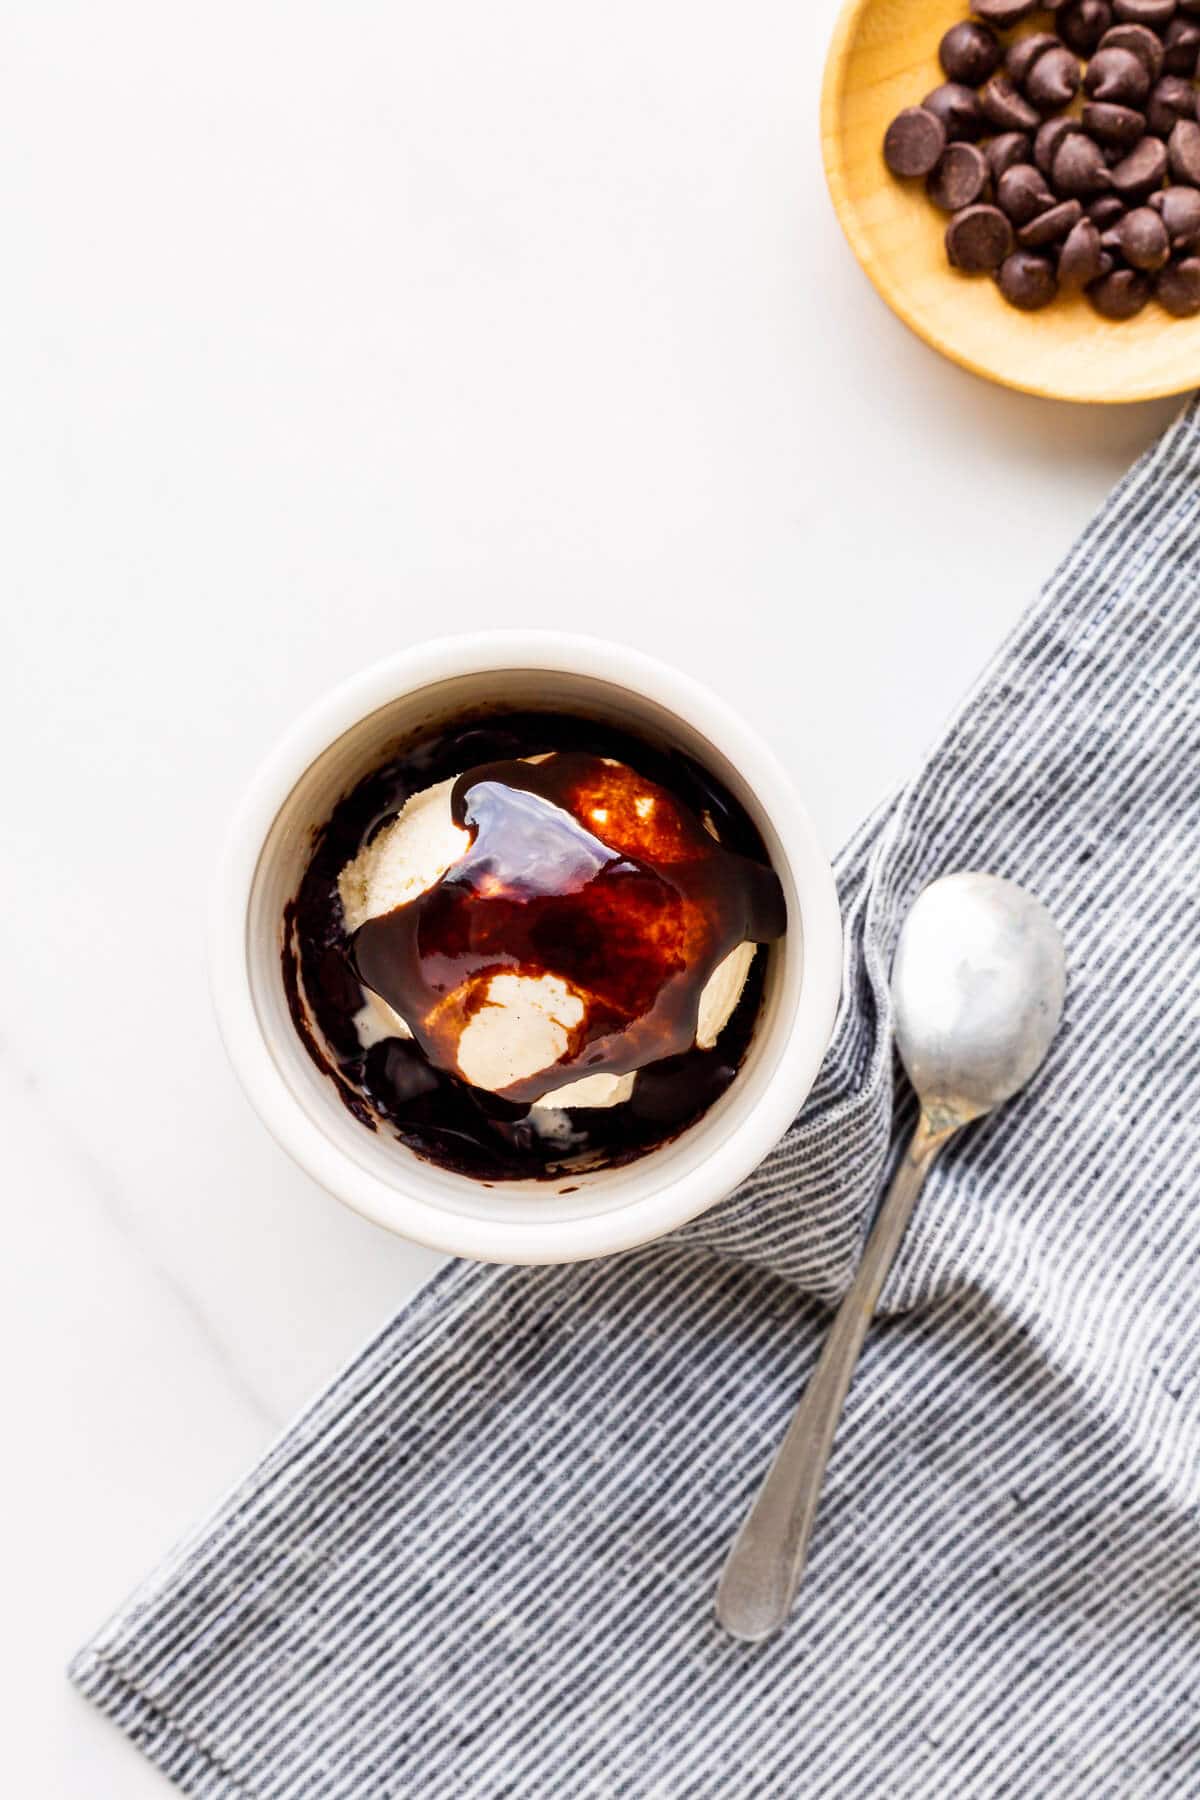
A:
x: 798, y: 1055
x: 895, y: 297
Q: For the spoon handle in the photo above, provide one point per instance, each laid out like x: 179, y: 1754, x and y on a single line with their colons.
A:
x: 764, y: 1566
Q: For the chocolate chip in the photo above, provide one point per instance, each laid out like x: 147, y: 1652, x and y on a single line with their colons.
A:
x: 1179, y: 210
x: 1117, y: 74
x: 969, y: 53
x: 1105, y: 210
x: 1027, y: 280
x: 1171, y: 99
x: 1145, y: 12
x: 1183, y: 150
x: 958, y: 109
x: 1049, y: 137
x: 1144, y: 44
x: 1144, y: 241
x: 1022, y: 193
x: 1083, y: 24
x: 1116, y: 127
x: 978, y: 239
x: 1139, y: 173
x: 1178, y: 287
x: 914, y: 142
x: 1005, y: 108
x: 1079, y: 168
x: 1009, y: 148
x: 1080, y: 258
x: 1181, y: 47
x: 1050, y: 226
x: 1053, y: 80
x: 960, y: 178
x: 1003, y: 13
x: 1120, y: 294
x: 1025, y: 51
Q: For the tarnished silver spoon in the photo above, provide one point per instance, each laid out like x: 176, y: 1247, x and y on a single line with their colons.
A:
x: 977, y: 985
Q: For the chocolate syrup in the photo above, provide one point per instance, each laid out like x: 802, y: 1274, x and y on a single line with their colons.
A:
x: 603, y: 875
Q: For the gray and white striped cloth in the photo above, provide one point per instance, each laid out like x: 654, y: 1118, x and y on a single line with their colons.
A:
x: 483, y: 1563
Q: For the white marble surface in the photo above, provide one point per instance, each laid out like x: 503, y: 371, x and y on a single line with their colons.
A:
x: 327, y: 328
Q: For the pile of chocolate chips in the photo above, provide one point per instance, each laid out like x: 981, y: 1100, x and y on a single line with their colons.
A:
x: 1049, y: 197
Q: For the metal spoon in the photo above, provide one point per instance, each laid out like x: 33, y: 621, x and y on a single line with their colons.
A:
x: 977, y: 985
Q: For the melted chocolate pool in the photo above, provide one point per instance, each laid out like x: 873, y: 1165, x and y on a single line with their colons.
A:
x: 601, y: 875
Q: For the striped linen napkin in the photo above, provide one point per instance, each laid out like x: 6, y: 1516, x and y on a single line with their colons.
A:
x: 483, y: 1563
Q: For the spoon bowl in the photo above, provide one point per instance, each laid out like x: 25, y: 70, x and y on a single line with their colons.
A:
x: 978, y: 983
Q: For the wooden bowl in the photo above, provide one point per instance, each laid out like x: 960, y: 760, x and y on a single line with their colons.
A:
x: 883, y: 58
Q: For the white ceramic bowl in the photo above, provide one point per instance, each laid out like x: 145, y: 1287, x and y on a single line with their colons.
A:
x: 349, y: 733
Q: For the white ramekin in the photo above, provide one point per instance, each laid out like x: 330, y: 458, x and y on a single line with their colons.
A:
x: 350, y: 732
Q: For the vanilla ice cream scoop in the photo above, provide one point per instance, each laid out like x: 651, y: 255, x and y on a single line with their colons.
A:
x: 520, y: 1031
x: 545, y: 927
